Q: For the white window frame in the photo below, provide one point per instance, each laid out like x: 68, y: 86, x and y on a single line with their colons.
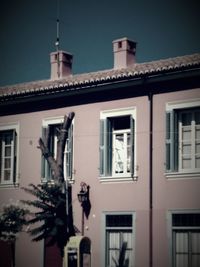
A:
x: 179, y: 106
x: 171, y: 228
x: 14, y: 181
x: 128, y: 111
x: 104, y: 230
x: 50, y: 122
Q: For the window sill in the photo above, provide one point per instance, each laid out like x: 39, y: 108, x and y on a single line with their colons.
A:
x: 3, y: 186
x: 111, y: 179
x: 182, y: 175
x: 44, y: 181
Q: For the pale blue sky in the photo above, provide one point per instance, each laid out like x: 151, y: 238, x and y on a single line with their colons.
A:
x: 162, y: 29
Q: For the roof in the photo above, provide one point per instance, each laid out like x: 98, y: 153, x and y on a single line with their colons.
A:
x: 72, y: 82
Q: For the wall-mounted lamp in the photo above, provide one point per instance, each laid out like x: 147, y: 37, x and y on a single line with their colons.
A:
x: 83, y: 194
x: 83, y: 197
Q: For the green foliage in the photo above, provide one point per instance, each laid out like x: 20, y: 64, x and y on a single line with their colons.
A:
x: 12, y: 220
x: 50, y: 204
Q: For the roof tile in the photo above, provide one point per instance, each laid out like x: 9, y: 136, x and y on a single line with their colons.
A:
x: 79, y: 80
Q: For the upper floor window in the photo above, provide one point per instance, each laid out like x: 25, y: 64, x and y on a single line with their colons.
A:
x: 53, y: 126
x: 117, y: 143
x: 8, y: 154
x: 183, y: 137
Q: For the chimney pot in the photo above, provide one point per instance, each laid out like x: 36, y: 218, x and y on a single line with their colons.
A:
x: 61, y: 64
x: 124, y: 53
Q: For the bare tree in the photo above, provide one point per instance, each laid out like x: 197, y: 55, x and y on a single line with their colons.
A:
x: 57, y: 165
x: 53, y: 201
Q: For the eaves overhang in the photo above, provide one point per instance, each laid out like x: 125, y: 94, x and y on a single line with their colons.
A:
x: 138, y: 74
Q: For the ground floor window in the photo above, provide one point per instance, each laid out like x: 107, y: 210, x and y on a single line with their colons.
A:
x: 186, y: 239
x: 119, y: 237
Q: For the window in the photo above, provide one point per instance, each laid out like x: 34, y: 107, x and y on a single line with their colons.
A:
x: 53, y: 126
x: 120, y: 44
x: 118, y: 239
x: 8, y: 154
x: 117, y: 146
x: 186, y: 240
x: 183, y: 138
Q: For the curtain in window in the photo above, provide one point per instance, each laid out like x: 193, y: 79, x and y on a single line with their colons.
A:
x: 186, y: 249
x: 119, y: 248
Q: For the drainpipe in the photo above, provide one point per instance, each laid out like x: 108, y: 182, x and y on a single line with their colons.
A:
x: 150, y: 97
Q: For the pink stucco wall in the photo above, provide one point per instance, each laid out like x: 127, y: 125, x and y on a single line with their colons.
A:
x: 169, y: 194
x: 114, y: 196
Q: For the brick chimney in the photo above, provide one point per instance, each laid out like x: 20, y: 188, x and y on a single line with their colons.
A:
x: 124, y: 51
x: 61, y: 64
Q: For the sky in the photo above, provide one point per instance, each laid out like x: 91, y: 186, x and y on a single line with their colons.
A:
x: 161, y: 28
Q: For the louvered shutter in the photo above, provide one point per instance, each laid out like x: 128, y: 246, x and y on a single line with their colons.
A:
x: 69, y: 153
x: 14, y: 156
x: 132, y: 140
x: 176, y: 141
x: 168, y: 141
x: 42, y: 157
x: 102, y: 148
x: 109, y: 147
x: 171, y: 141
x: 105, y: 148
x: 1, y: 139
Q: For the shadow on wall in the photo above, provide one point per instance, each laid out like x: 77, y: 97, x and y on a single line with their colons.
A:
x: 86, y: 205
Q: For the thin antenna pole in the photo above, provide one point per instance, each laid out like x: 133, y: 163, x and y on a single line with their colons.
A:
x: 58, y: 37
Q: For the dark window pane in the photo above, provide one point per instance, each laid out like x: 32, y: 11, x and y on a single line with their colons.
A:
x: 119, y: 220
x: 8, y: 151
x: 7, y: 163
x: 121, y: 123
x: 6, y: 136
x: 186, y: 119
x: 192, y: 219
x: 197, y: 117
x: 7, y: 174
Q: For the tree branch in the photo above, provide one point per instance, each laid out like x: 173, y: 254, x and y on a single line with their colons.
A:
x: 62, y: 138
x: 52, y: 162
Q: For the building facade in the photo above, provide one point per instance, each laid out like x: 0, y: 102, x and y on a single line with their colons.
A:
x: 135, y: 140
